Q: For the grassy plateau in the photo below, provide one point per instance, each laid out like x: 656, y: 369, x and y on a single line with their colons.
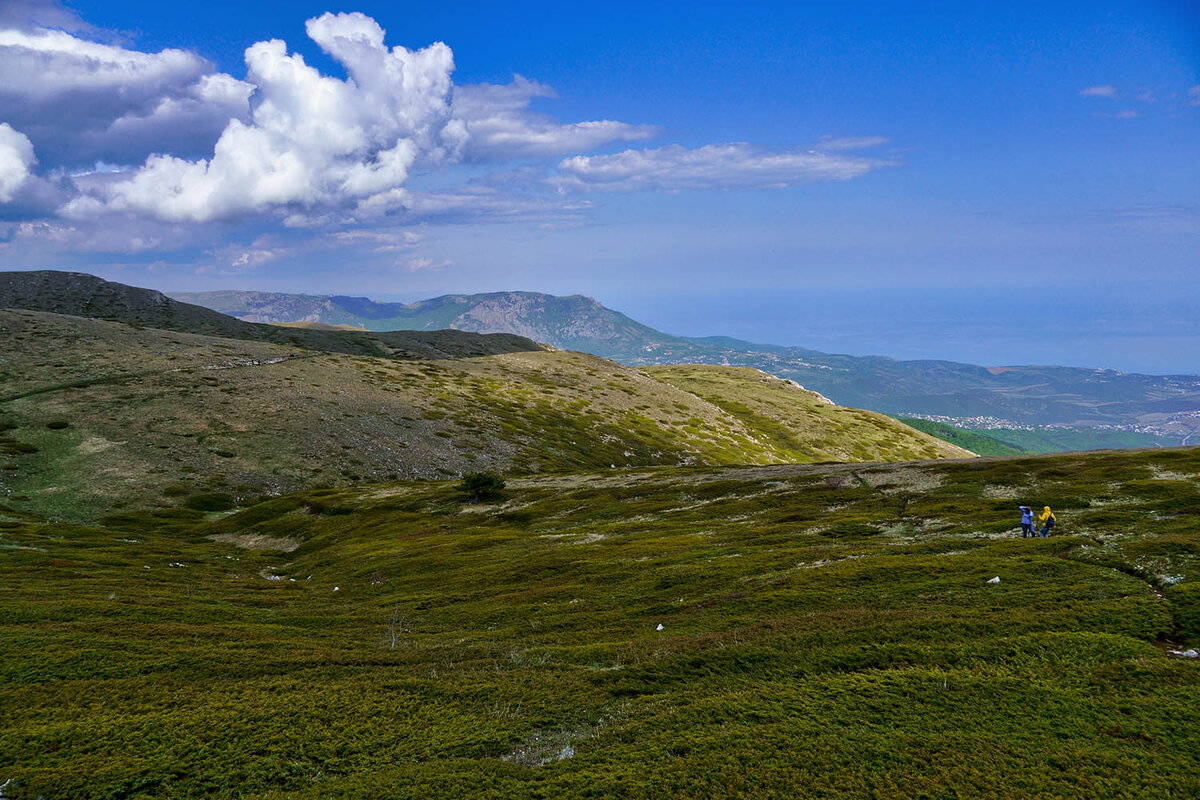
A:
x: 703, y: 632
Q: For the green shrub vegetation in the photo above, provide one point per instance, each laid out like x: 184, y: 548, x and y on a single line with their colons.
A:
x: 1012, y: 441
x: 482, y: 486
x: 210, y: 501
x: 975, y: 441
x: 826, y: 631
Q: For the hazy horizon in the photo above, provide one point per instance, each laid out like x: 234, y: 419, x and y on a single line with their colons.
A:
x: 1146, y: 333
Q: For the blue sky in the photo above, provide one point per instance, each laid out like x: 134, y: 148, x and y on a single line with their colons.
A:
x: 825, y: 174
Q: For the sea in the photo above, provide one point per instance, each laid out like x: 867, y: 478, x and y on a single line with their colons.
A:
x: 1146, y: 329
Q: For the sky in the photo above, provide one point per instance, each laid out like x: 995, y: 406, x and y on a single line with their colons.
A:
x: 993, y: 183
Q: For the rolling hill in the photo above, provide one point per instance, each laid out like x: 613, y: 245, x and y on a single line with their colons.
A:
x: 1137, y: 410
x: 100, y: 414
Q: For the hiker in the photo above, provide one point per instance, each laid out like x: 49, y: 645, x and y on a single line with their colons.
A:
x: 1027, y: 528
x: 1046, y: 520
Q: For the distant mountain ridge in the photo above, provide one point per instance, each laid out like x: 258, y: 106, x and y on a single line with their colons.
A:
x: 1143, y: 409
x: 574, y: 322
x: 83, y: 295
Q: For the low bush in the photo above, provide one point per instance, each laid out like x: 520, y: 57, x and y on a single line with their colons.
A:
x: 482, y: 486
x: 210, y: 501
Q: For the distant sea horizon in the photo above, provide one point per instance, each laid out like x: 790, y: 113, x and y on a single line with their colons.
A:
x: 1132, y: 330
x: 1129, y: 328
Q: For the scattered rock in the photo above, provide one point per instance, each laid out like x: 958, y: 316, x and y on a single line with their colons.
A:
x: 660, y: 627
x: 995, y: 579
x: 1190, y: 653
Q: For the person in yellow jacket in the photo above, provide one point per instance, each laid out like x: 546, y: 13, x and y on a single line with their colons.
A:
x: 1046, y: 520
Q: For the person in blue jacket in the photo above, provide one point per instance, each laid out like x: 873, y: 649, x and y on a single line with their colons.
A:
x: 1027, y: 528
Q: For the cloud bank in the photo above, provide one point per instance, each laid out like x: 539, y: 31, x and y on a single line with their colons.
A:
x: 310, y: 138
x: 122, y: 104
x: 153, y: 151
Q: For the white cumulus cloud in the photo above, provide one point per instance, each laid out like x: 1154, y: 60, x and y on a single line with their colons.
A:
x: 16, y: 161
x: 714, y: 166
x: 310, y: 138
x: 126, y: 138
x: 311, y: 141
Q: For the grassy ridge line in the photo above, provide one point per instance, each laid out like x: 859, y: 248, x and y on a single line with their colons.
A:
x: 827, y: 631
x: 95, y: 444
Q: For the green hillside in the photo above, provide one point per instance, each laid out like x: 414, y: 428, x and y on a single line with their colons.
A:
x: 1062, y: 440
x: 765, y: 632
x: 975, y: 441
x: 102, y: 415
x: 802, y: 425
x: 1086, y: 404
x: 1012, y: 441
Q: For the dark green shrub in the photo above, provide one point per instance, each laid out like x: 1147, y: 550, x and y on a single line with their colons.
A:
x: 482, y: 486
x: 58, y: 424
x: 1185, y: 609
x: 210, y: 501
x: 322, y: 507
